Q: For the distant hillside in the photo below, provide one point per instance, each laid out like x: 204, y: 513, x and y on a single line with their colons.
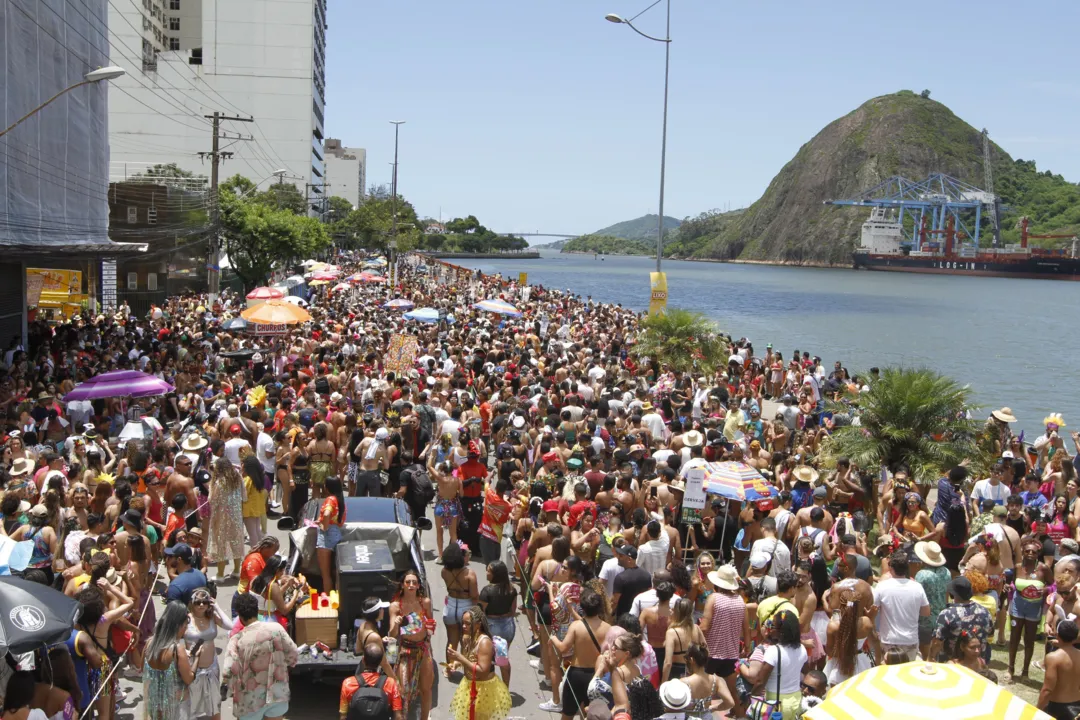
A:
x: 609, y: 245
x: 900, y: 134
x: 630, y: 237
x: 557, y: 245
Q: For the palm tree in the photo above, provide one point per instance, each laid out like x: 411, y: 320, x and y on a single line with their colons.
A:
x: 687, y: 341
x: 912, y: 417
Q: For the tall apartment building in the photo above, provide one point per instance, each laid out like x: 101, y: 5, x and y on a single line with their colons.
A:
x: 346, y: 171
x: 187, y: 59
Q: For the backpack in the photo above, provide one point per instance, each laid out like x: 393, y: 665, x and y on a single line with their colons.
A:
x: 322, y: 386
x: 369, y: 702
x: 418, y: 486
x: 956, y: 527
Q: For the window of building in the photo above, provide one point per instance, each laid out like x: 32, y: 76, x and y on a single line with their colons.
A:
x: 132, y: 215
x: 174, y: 43
x: 133, y: 281
x: 151, y: 281
x: 174, y: 4
x: 151, y: 215
x: 174, y: 23
x: 196, y: 57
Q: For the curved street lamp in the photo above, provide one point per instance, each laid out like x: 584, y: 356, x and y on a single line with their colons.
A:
x: 100, y: 75
x: 612, y: 17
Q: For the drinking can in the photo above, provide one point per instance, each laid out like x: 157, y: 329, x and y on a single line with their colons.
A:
x: 392, y: 651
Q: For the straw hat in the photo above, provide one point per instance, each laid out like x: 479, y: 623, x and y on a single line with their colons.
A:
x: 693, y: 438
x: 1005, y: 415
x: 193, y: 443
x: 726, y: 577
x: 675, y: 694
x: 805, y: 473
x: 20, y: 467
x: 929, y: 552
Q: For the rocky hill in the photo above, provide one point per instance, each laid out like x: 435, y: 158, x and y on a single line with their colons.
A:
x: 900, y: 134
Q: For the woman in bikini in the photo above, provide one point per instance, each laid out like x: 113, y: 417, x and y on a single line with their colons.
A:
x: 97, y: 620
x: 371, y: 615
x: 300, y: 472
x: 323, y: 456
x: 462, y: 592
x: 411, y: 622
x: 681, y: 633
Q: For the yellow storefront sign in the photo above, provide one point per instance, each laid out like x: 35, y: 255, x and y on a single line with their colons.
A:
x: 56, y: 289
x: 658, y: 294
x: 523, y: 279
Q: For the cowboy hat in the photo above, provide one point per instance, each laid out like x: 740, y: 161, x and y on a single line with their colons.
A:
x: 677, y: 484
x: 1005, y: 415
x: 929, y: 552
x: 21, y: 466
x: 726, y: 577
x: 693, y: 438
x: 805, y: 473
x: 193, y: 443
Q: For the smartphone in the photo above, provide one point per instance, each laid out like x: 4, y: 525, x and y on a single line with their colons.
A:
x: 654, y: 492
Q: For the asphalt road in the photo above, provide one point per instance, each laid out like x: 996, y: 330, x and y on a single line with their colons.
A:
x: 319, y: 701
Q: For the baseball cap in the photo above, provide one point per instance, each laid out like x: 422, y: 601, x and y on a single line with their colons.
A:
x: 182, y: 551
x: 821, y: 491
x: 628, y: 550
x: 551, y: 456
x: 999, y: 511
x: 551, y: 506
x: 759, y: 560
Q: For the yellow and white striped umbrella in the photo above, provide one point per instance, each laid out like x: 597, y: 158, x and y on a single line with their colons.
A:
x: 922, y: 690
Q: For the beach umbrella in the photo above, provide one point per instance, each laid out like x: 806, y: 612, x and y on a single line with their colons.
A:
x: 14, y: 556
x: 310, y: 263
x: 500, y: 307
x: 399, y: 303
x: 296, y: 300
x: 119, y: 383
x: 323, y: 275
x: 276, y: 312
x: 318, y: 283
x: 294, y: 281
x: 32, y: 615
x: 736, y: 481
x: 236, y: 323
x: 242, y: 354
x: 265, y: 293
x: 922, y: 689
x: 367, y: 277
x: 341, y: 286
x: 428, y: 315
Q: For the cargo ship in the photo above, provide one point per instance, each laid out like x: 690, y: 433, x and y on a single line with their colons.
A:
x: 884, y: 247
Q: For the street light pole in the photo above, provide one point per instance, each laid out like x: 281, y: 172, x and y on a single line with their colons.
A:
x: 393, y: 220
x: 102, y: 74
x: 663, y: 140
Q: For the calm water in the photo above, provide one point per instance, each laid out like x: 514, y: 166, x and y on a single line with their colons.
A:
x: 1012, y: 340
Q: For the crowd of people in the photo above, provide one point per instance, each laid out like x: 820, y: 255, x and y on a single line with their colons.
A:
x: 552, y: 452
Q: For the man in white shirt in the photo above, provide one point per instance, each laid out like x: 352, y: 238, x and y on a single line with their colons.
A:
x: 266, y: 450
x: 648, y: 598
x: 652, y: 421
x: 990, y: 489
x: 611, y: 568
x: 235, y: 443
x: 771, y: 547
x: 901, y: 601
x: 653, y: 553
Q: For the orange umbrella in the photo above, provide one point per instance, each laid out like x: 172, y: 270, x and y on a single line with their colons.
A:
x: 276, y: 312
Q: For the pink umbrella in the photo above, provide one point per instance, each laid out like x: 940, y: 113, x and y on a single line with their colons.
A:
x: 323, y: 275
x: 341, y: 286
x: 265, y: 293
x: 371, y: 277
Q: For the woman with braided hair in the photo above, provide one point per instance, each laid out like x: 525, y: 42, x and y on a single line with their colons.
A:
x: 850, y: 631
x: 484, y: 696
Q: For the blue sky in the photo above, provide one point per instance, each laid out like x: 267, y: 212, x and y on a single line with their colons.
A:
x: 537, y: 115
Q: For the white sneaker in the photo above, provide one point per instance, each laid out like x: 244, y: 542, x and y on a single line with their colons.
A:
x: 534, y: 664
x: 551, y: 706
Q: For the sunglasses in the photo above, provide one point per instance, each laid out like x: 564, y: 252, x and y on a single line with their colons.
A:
x: 201, y: 602
x: 809, y: 688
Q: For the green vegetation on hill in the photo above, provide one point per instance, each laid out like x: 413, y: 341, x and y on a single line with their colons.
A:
x: 642, y: 228
x: 899, y: 134
x: 608, y: 245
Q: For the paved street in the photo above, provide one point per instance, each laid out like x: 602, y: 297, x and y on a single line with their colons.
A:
x: 311, y: 701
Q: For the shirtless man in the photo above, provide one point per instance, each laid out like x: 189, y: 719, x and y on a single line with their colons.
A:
x: 584, y: 638
x: 802, y: 518
x: 447, y: 505
x: 1060, y: 693
x: 181, y: 482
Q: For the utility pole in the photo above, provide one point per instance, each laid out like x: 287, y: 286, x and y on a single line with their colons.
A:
x: 393, y: 190
x: 216, y: 155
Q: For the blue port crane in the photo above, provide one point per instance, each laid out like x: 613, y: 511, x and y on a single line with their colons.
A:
x: 938, y: 205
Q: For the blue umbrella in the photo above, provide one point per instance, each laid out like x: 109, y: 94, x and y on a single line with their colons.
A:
x: 236, y: 323
x: 428, y: 315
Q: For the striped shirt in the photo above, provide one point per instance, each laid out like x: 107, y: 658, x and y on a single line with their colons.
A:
x: 725, y: 632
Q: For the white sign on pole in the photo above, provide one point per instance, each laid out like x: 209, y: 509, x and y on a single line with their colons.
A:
x: 694, y: 496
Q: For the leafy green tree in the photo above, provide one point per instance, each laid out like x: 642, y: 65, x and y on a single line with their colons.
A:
x: 687, y: 341
x: 255, y: 235
x: 370, y: 225
x: 337, y: 209
x: 925, y: 94
x: 284, y: 196
x: 911, y: 417
x: 169, y: 171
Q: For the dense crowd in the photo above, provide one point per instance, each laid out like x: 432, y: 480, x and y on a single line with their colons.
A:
x: 547, y: 449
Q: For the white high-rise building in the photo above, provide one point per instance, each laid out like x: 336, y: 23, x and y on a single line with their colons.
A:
x: 187, y: 59
x: 346, y: 171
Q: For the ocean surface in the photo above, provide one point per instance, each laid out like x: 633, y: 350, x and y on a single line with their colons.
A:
x: 1014, y: 341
